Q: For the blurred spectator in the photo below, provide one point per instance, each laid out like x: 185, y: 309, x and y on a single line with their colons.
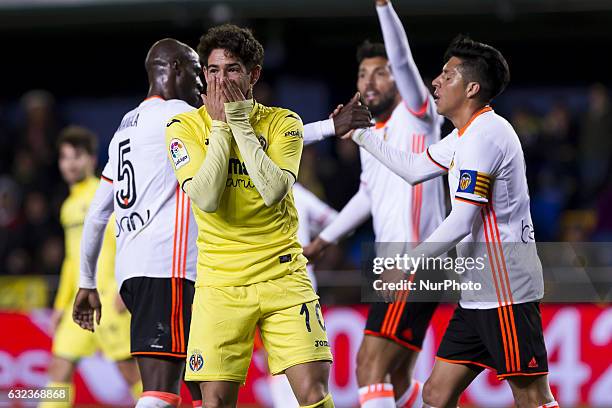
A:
x: 603, y: 231
x: 595, y: 143
x: 30, y: 234
x: 577, y: 225
x: 34, y: 163
x: 527, y: 127
x: 40, y: 130
x: 558, y: 145
x: 12, y: 230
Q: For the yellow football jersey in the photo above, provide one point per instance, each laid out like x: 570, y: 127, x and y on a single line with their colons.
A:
x: 244, y: 241
x: 72, y: 217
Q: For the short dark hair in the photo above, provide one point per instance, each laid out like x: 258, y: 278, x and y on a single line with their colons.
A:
x: 79, y: 138
x: 369, y: 49
x: 237, y: 40
x: 480, y: 63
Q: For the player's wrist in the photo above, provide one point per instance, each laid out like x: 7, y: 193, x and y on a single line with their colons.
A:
x: 220, y: 125
x: 322, y: 243
x: 238, y: 109
x: 328, y: 127
x: 359, y: 136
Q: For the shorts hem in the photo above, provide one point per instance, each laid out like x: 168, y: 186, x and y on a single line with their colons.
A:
x: 72, y: 358
x: 115, y: 359
x: 213, y: 377
x: 298, y: 362
x: 504, y: 376
x: 465, y: 362
x: 159, y: 354
x: 394, y: 339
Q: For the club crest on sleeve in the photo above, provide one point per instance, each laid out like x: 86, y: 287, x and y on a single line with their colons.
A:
x: 196, y: 362
x: 179, y: 154
x: 474, y: 182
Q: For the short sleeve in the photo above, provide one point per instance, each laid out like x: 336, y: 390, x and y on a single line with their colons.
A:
x: 442, y: 152
x: 478, y: 162
x: 287, y: 142
x: 184, y: 150
x: 108, y: 173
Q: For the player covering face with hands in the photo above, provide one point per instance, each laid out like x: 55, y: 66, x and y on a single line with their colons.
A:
x: 237, y: 160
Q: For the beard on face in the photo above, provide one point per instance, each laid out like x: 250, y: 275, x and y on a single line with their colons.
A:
x: 386, y: 102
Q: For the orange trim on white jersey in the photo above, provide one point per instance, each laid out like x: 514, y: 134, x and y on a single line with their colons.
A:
x: 480, y: 112
x: 422, y: 110
x: 418, y: 146
x: 153, y: 97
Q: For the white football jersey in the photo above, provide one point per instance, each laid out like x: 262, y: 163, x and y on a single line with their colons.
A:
x: 401, y: 212
x: 486, y: 167
x: 155, y: 229
x: 313, y: 216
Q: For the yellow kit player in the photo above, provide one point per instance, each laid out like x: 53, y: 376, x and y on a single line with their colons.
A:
x: 237, y: 160
x: 77, y: 161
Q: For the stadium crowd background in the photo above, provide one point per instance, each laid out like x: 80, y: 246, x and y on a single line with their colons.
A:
x: 69, y: 67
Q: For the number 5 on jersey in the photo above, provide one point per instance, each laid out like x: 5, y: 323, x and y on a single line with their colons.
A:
x: 126, y: 194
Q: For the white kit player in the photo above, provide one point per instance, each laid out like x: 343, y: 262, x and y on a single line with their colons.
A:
x: 155, y: 228
x: 405, y: 120
x: 498, y: 327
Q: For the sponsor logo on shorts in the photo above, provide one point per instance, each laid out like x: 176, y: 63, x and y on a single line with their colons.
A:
x: 533, y: 363
x: 321, y: 343
x: 179, y: 154
x: 196, y: 361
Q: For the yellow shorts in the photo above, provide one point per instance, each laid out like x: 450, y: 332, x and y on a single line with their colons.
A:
x: 224, y: 320
x: 112, y: 336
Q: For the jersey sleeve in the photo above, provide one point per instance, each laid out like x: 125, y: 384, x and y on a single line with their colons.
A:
x: 108, y: 174
x: 286, y: 143
x: 479, y: 161
x: 184, y: 151
x: 441, y: 153
x: 413, y: 90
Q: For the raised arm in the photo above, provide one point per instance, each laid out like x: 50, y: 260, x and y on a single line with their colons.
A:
x: 413, y: 90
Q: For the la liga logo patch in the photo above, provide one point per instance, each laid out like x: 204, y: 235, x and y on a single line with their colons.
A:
x: 196, y: 362
x: 179, y: 154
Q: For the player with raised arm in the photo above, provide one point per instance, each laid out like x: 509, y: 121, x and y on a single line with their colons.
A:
x: 237, y: 160
x: 155, y: 229
x: 499, y: 327
x: 405, y: 119
x: 77, y: 161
